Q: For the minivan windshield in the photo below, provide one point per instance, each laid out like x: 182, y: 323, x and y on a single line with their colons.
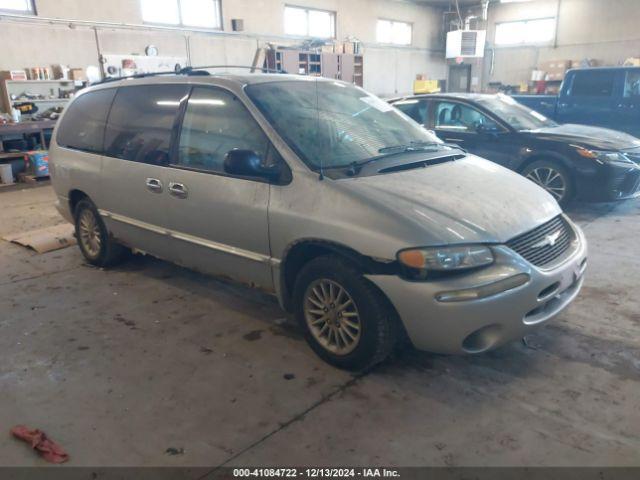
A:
x: 515, y: 114
x: 334, y: 124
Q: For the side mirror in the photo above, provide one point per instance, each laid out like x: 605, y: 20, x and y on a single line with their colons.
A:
x: 247, y: 163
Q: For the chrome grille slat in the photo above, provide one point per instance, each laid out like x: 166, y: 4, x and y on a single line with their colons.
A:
x: 540, y: 256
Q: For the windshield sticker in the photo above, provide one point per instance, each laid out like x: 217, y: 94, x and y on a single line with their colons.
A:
x: 539, y: 116
x: 376, y: 103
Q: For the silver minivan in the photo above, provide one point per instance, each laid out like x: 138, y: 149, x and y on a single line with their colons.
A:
x: 363, y: 224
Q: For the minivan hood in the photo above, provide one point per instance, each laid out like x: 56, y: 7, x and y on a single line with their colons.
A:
x: 586, y: 136
x: 471, y: 200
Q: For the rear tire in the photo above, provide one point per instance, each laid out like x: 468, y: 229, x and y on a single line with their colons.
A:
x: 553, y: 177
x: 346, y: 320
x: 94, y: 241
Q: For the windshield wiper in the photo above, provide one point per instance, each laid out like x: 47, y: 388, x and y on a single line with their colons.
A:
x: 409, y: 147
x: 355, y: 166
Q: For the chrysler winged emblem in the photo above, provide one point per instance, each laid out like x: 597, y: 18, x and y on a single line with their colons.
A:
x: 548, y: 241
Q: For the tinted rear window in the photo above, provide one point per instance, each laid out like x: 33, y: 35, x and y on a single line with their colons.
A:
x: 593, y: 84
x: 141, y: 122
x: 83, y: 124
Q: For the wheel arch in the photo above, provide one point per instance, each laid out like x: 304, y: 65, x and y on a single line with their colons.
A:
x: 75, y: 196
x: 546, y: 155
x: 300, y: 252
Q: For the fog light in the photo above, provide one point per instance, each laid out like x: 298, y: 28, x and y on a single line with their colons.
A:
x: 484, y: 291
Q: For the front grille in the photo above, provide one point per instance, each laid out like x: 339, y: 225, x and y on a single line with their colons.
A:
x: 537, y: 247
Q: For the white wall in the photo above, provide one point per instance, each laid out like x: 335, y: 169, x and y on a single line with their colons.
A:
x: 387, y: 70
x: 605, y: 30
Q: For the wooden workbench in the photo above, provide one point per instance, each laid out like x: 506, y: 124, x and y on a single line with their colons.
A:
x: 26, y: 127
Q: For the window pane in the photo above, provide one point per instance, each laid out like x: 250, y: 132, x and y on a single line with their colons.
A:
x: 295, y: 21
x: 160, y: 11
x: 200, y: 13
x: 19, y: 5
x: 383, y: 31
x: 215, y: 123
x: 141, y: 122
x: 462, y: 118
x: 538, y: 31
x: 401, y: 33
x: 416, y: 109
x: 509, y: 33
x: 593, y: 84
x: 632, y: 84
x: 531, y: 31
x: 331, y: 124
x: 320, y: 24
x: 84, y: 121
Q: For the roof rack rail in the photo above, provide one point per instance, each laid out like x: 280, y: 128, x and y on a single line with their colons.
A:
x: 190, y: 71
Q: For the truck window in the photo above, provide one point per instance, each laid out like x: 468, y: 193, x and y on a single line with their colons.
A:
x: 141, y: 122
x: 632, y: 84
x: 593, y: 83
x: 82, y: 126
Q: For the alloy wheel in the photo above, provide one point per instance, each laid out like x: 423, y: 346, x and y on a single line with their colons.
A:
x: 332, y: 316
x: 551, y: 180
x: 89, y: 231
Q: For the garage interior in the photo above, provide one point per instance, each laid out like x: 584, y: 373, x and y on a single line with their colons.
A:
x: 150, y: 364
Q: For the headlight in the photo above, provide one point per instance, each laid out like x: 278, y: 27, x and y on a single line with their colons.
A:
x: 445, y: 259
x: 616, y: 158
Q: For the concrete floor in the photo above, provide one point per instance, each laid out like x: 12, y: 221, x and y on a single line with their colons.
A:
x: 118, y: 366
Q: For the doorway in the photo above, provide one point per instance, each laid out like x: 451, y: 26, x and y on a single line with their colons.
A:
x: 459, y: 78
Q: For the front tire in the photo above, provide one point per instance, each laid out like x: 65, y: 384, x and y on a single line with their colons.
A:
x: 346, y: 320
x: 95, y: 243
x: 553, y: 177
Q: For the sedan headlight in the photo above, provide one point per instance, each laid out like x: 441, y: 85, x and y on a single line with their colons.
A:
x: 616, y: 158
x: 446, y: 259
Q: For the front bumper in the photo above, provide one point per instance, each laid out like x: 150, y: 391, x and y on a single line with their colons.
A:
x: 476, y: 326
x: 612, y: 182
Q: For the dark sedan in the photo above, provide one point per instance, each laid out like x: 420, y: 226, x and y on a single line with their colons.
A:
x: 569, y: 161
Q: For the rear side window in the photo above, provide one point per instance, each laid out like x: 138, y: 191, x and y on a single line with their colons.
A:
x: 141, y: 122
x: 593, y: 83
x: 83, y: 124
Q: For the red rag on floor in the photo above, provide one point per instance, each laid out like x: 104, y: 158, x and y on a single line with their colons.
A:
x: 50, y: 450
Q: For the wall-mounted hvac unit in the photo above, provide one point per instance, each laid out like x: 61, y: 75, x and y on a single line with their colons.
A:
x: 466, y: 43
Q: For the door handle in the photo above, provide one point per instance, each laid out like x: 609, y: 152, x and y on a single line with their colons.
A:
x: 178, y: 190
x: 154, y: 185
x: 456, y: 140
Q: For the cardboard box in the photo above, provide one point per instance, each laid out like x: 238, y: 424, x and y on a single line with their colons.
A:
x: 555, y: 77
x: 348, y: 47
x: 78, y: 74
x: 555, y: 66
x: 14, y: 75
x: 538, y: 75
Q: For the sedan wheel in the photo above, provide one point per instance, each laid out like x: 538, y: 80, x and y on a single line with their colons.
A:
x: 332, y: 316
x: 551, y: 180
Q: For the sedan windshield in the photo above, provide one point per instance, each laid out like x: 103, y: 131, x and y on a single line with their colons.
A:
x: 334, y: 124
x: 515, y: 114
